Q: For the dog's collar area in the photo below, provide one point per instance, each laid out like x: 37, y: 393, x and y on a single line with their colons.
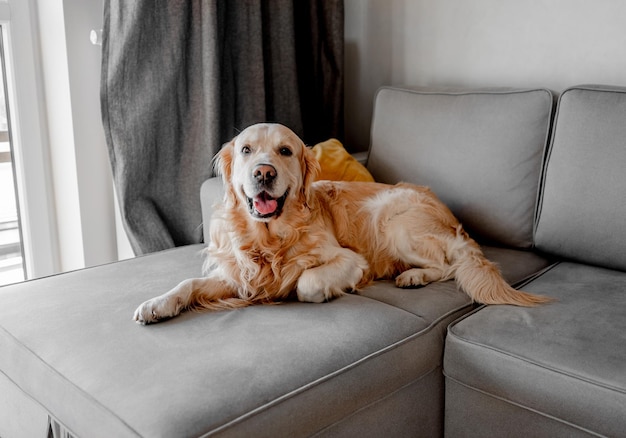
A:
x: 264, y: 206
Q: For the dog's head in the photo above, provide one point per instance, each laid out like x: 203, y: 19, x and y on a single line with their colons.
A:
x: 266, y: 168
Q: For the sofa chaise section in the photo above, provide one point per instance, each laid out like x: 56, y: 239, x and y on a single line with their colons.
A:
x: 293, y: 369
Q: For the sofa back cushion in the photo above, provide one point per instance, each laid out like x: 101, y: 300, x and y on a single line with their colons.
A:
x: 582, y: 209
x: 479, y: 151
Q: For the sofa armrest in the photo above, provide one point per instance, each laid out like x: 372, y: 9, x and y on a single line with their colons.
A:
x: 361, y: 157
x: 211, y: 192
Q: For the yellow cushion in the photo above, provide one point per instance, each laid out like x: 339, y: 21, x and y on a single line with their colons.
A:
x: 337, y: 164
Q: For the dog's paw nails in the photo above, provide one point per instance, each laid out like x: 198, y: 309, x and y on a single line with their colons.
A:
x: 310, y: 289
x: 412, y: 278
x: 403, y: 281
x: 144, y: 315
x: 155, y: 310
x: 317, y: 296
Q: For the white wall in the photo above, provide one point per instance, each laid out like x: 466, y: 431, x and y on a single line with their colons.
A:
x: 81, y: 176
x: 477, y: 43
x: 29, y: 136
x: 469, y: 43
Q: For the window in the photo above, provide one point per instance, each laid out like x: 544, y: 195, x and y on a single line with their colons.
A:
x: 26, y: 219
x: 11, y: 252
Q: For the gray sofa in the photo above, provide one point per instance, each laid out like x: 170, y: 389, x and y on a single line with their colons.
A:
x: 549, y: 209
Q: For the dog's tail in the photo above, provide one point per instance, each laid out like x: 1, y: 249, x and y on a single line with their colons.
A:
x: 482, y: 281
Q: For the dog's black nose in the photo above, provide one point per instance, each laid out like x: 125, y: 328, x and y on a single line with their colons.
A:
x: 264, y: 174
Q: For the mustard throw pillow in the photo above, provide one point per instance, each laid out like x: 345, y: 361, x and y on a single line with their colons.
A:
x: 337, y: 164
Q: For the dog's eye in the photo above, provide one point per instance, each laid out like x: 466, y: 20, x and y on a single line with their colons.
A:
x: 246, y: 150
x: 286, y: 152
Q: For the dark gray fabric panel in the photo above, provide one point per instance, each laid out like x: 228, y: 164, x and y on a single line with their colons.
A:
x: 282, y: 61
x: 180, y: 78
x: 583, y: 205
x: 159, y: 112
x: 563, y: 360
x: 479, y: 151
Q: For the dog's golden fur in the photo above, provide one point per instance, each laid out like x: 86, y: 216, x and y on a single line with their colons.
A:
x: 278, y: 231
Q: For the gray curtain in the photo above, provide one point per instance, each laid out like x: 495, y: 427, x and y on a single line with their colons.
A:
x: 182, y: 77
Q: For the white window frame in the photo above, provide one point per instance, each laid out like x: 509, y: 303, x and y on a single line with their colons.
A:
x: 28, y: 132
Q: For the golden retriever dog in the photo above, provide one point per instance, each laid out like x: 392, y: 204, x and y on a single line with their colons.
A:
x: 279, y: 232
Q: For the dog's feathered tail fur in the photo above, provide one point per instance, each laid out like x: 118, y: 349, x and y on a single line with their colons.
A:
x: 481, y: 280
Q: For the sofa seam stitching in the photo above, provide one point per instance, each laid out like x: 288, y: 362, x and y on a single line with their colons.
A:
x: 303, y: 388
x: 55, y: 372
x: 381, y: 399
x: 537, y: 364
x: 523, y: 406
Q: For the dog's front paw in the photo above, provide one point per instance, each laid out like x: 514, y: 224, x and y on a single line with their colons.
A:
x: 156, y: 309
x: 310, y: 289
x: 317, y: 286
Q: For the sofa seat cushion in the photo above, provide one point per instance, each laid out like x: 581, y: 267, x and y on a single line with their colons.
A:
x: 68, y: 342
x: 582, y: 207
x: 553, y: 370
x: 517, y: 267
x: 479, y: 151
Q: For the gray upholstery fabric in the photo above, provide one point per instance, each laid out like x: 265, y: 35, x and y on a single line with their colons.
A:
x: 583, y: 205
x: 180, y: 78
x: 412, y: 411
x: 211, y: 192
x: 554, y: 370
x: 475, y: 414
x: 20, y: 416
x: 479, y: 151
x: 293, y: 369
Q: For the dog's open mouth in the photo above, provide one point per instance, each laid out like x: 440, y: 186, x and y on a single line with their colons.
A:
x: 264, y: 206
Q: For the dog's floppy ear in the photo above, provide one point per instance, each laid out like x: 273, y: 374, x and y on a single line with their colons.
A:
x: 223, y: 166
x: 310, y: 171
x: 223, y: 161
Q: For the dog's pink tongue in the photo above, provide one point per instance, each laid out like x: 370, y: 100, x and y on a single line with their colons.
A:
x: 265, y: 204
